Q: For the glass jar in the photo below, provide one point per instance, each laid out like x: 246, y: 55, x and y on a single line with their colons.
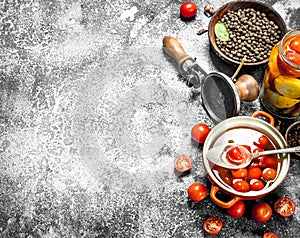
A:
x: 280, y: 94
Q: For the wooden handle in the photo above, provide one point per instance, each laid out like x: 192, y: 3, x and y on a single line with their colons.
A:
x: 213, y: 195
x: 175, y: 49
x: 247, y: 87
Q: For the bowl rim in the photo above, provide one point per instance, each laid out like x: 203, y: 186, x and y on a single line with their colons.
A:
x: 253, y: 123
x: 218, y: 13
x: 290, y: 127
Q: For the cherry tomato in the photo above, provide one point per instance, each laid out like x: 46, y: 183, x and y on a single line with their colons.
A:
x: 237, y: 154
x: 268, y: 162
x: 261, y: 212
x: 263, y: 142
x: 227, y: 178
x: 256, y: 185
x: 248, y: 147
x: 285, y: 207
x: 188, y: 9
x: 182, y: 163
x: 258, y: 149
x: 269, y: 174
x: 197, y: 192
x: 270, y: 235
x: 212, y: 225
x: 200, y: 132
x: 239, y: 173
x: 254, y: 173
x: 293, y: 56
x: 295, y: 44
x: 237, y: 210
x: 241, y: 185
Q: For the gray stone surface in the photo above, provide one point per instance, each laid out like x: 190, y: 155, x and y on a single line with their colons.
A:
x: 93, y: 113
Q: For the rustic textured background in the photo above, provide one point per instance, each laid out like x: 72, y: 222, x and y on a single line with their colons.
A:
x: 93, y: 113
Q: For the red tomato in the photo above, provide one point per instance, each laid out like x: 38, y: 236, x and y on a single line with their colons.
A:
x: 263, y: 142
x: 212, y: 225
x: 261, y: 212
x: 227, y: 178
x: 239, y: 173
x: 285, y: 207
x: 197, y: 192
x: 188, y: 9
x: 200, y: 132
x: 237, y: 210
x: 241, y: 185
x: 270, y: 235
x: 248, y: 147
x: 269, y: 174
x: 254, y: 173
x: 237, y: 154
x: 258, y: 149
x: 256, y: 185
x: 295, y: 44
x: 293, y: 56
x: 182, y: 163
x: 268, y: 162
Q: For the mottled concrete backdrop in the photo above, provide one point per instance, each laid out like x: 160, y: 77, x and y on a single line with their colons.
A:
x: 93, y: 113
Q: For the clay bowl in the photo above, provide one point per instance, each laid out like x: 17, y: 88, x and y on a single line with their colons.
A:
x: 234, y: 128
x: 271, y: 15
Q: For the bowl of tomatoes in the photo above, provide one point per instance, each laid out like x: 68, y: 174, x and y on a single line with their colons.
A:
x: 263, y: 175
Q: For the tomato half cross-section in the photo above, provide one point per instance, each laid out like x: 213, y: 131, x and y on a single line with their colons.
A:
x: 197, y: 192
x: 285, y: 207
x: 213, y: 225
x: 182, y: 163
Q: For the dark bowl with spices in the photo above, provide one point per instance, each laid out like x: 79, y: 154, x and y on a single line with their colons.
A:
x: 245, y: 29
x: 292, y: 135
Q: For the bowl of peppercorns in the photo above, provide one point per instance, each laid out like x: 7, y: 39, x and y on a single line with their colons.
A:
x: 245, y: 30
x: 292, y: 135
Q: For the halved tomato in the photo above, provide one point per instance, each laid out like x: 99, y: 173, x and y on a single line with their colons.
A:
x: 285, y: 207
x: 182, y: 163
x: 270, y: 235
x: 213, y: 225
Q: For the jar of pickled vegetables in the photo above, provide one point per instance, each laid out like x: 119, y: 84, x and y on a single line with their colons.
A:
x: 280, y: 94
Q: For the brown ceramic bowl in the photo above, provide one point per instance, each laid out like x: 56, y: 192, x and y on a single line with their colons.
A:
x: 271, y: 15
x: 231, y: 129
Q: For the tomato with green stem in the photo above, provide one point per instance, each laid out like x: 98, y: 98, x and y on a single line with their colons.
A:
x: 261, y: 212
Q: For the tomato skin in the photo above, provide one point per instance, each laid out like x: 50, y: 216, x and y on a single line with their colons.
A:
x: 239, y: 173
x: 263, y: 142
x: 295, y: 44
x: 268, y: 162
x: 269, y: 174
x: 237, y: 154
x: 182, y: 163
x: 227, y: 178
x: 285, y: 207
x: 293, y: 56
x: 261, y: 212
x: 200, y: 132
x: 270, y: 235
x: 188, y: 9
x: 197, y: 192
x: 212, y: 225
x: 237, y: 210
x: 254, y: 173
x: 258, y: 149
x: 256, y: 185
x: 241, y: 185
